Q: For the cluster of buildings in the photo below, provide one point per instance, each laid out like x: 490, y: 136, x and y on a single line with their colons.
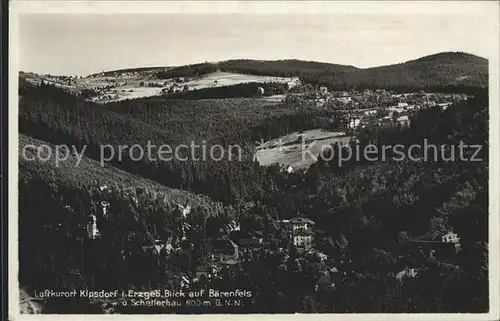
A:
x: 377, y: 117
x: 229, y: 246
x: 379, y: 108
x: 66, y: 82
x: 398, y: 114
x: 232, y: 244
x: 430, y: 246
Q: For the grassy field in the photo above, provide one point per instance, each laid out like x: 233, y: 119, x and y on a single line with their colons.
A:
x: 289, y: 151
x: 228, y: 79
x: 129, y: 87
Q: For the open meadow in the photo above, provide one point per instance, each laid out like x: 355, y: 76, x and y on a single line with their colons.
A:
x: 228, y: 79
x: 298, y: 149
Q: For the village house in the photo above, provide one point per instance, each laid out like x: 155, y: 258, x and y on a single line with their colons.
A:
x: 372, y: 112
x: 344, y: 100
x: 302, y: 232
x: 396, y: 109
x: 223, y: 251
x: 303, y: 240
x: 160, y: 247
x: 205, y: 271
x: 249, y: 244
x: 403, y: 120
x: 233, y: 226
x: 450, y: 237
x: 353, y: 122
x: 324, y: 281
x: 301, y: 223
x: 444, y: 106
x: 250, y: 241
x: 103, y: 207
x: 185, y: 210
x: 435, y: 245
x: 407, y: 273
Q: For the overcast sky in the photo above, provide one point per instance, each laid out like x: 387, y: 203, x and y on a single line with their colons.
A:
x: 81, y: 44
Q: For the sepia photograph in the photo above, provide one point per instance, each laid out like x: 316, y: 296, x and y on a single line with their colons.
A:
x: 254, y: 157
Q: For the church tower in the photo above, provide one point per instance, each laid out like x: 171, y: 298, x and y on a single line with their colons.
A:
x: 92, y: 231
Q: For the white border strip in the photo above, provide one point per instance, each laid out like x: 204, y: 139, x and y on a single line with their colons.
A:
x: 256, y: 7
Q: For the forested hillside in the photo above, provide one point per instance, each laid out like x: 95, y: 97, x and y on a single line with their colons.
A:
x: 368, y: 214
x: 55, y: 202
x: 88, y: 172
x: 448, y: 71
x: 246, y: 90
x: 455, y: 72
x: 279, y: 68
x: 52, y: 115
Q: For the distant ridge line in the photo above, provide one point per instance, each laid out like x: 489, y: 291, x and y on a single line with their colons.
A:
x: 216, y: 63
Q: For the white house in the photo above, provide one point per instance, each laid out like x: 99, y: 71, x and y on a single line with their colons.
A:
x: 233, y: 226
x: 408, y: 273
x: 344, y: 100
x: 301, y: 223
x: 303, y: 240
x: 450, y: 237
x: 185, y: 210
x: 104, y: 208
x: 370, y: 112
x: 444, y: 106
x: 403, y: 120
x: 353, y: 122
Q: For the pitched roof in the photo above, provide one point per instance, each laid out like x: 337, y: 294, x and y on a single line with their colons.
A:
x: 250, y: 241
x: 431, y: 236
x: 221, y: 245
x: 322, y: 255
x: 400, y: 274
x: 334, y: 270
x: 301, y: 220
x: 324, y: 279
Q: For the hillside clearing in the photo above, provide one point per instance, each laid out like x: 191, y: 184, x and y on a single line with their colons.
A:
x: 228, y: 79
x: 289, y: 151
